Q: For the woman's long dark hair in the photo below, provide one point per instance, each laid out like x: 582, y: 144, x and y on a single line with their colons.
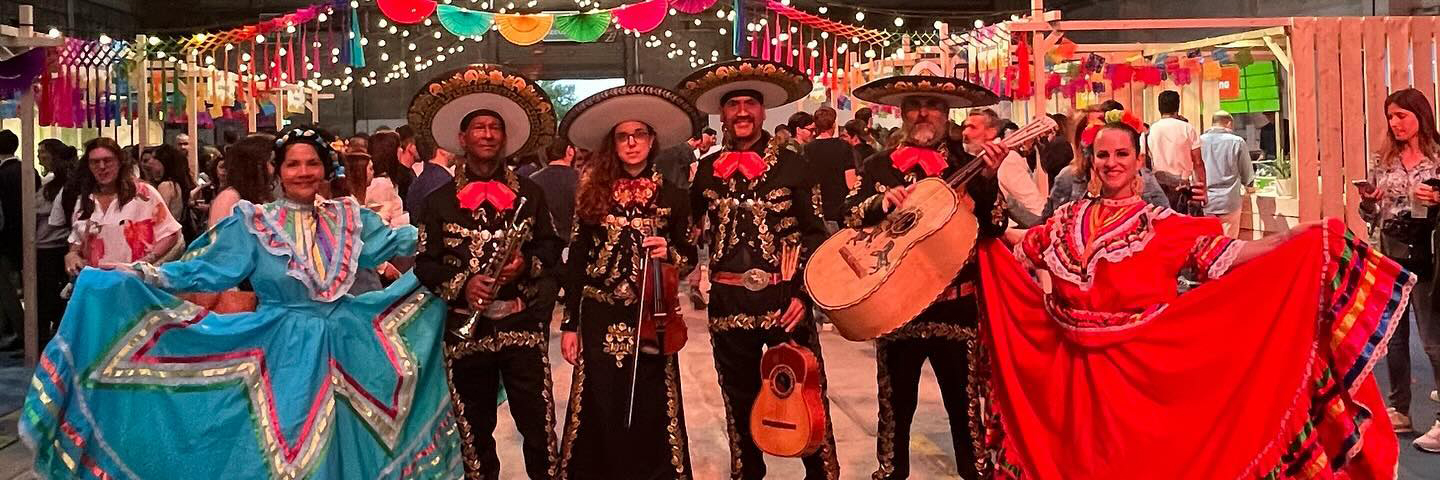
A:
x: 1414, y: 102
x: 385, y: 160
x: 177, y: 167
x: 62, y: 160
x: 84, y: 182
x: 246, y: 164
x: 597, y: 188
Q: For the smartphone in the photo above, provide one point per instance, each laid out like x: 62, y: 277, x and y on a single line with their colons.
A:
x: 1432, y: 183
x: 1364, y: 186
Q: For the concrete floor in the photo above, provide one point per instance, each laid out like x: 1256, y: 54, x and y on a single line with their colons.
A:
x: 851, y: 369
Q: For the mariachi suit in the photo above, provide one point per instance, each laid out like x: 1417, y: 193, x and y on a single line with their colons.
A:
x: 755, y: 213
x: 455, y: 244
x: 604, y: 272
x: 944, y: 333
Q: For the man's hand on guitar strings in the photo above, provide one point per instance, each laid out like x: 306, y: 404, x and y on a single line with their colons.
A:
x: 995, y: 154
x: 895, y: 198
x: 793, y: 314
x: 659, y: 247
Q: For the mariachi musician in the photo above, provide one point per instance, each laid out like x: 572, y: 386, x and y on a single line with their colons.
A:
x: 488, y: 248
x: 625, y: 419
x: 945, y: 332
x: 763, y: 212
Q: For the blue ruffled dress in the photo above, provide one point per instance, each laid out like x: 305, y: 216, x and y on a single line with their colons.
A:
x: 315, y: 383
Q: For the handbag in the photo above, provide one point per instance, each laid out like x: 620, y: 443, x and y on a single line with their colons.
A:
x: 1407, y: 239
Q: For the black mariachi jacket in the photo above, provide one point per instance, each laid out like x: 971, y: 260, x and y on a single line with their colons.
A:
x: 750, y: 221
x: 455, y: 244
x: 604, y: 262
x: 864, y: 208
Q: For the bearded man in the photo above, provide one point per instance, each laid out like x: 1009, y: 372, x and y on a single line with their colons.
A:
x: 945, y: 333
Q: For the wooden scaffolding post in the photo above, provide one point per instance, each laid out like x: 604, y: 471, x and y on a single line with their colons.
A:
x: 192, y: 110
x: 25, y: 38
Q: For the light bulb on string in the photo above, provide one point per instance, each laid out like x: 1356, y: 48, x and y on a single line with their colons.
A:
x: 822, y: 10
x: 692, y: 44
x: 812, y: 44
x: 380, y: 42
x: 411, y: 47
x: 405, y: 34
x: 723, y: 31
x: 899, y: 22
x: 393, y: 30
x: 669, y: 34
x: 824, y: 35
x: 979, y: 23
x: 697, y: 22
x: 244, y: 57
x: 939, y: 24
x: 672, y: 12
x: 859, y: 16
x: 382, y: 23
x: 334, y: 51
x: 105, y: 39
x: 290, y: 29
x: 441, y: 57
x: 783, y: 37
x: 366, y: 41
x: 720, y: 13
x: 384, y: 56
x: 322, y: 18
x: 229, y: 47
x: 437, y: 34
x: 154, y: 41
x: 439, y: 49
x: 427, y: 22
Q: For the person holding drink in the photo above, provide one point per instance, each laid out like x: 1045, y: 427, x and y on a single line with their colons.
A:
x: 1400, y: 189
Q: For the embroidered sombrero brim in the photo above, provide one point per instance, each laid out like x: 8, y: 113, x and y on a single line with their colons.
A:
x: 674, y: 119
x: 956, y: 92
x: 437, y: 109
x: 780, y: 84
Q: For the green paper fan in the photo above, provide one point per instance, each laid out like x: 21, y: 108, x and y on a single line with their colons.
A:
x: 464, y: 23
x: 583, y: 27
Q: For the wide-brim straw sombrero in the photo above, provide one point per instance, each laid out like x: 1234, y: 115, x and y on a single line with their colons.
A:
x: 437, y: 109
x: 956, y: 92
x: 588, y: 124
x: 778, y: 84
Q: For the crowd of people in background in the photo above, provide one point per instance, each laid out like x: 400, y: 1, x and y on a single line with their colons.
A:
x: 104, y: 203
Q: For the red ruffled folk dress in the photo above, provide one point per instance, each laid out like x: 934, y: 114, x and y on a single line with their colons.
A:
x: 1260, y: 372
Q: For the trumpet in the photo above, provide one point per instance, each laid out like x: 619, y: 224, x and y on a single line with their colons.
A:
x: 506, y: 250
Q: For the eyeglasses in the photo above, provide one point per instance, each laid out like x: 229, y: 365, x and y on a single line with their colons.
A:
x: 639, y: 137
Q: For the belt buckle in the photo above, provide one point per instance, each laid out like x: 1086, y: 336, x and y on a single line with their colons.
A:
x: 755, y: 280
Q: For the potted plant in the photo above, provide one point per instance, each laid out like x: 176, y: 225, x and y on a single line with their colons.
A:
x: 1284, y: 176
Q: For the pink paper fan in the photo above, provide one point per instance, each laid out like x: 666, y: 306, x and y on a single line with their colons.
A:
x: 692, y: 6
x: 643, y: 16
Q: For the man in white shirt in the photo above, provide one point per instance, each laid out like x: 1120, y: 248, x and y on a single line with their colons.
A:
x: 1174, y: 149
x: 1017, y: 180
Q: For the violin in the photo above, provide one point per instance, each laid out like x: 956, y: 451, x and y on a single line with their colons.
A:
x: 662, y: 328
x: 788, y: 419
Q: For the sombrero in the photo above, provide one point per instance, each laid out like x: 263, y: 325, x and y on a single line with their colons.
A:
x: 673, y: 118
x: 436, y: 111
x: 893, y: 90
x: 775, y: 83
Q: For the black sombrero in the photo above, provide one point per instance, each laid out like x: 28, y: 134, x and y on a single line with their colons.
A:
x: 774, y: 83
x: 437, y: 110
x: 893, y: 90
x: 673, y: 118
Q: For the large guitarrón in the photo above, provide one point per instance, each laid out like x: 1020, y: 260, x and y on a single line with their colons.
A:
x: 872, y: 280
x: 858, y: 279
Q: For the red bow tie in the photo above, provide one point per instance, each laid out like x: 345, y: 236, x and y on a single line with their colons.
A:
x: 905, y: 158
x: 495, y: 193
x: 750, y: 164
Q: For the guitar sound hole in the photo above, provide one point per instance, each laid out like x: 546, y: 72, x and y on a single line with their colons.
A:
x: 783, y: 381
x: 903, y: 222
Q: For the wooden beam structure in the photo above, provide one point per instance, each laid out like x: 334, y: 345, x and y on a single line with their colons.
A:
x: 24, y: 36
x: 1150, y: 24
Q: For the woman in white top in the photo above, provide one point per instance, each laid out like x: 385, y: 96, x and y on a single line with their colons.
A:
x: 173, y: 180
x: 52, y: 232
x: 388, y: 183
x: 117, y: 219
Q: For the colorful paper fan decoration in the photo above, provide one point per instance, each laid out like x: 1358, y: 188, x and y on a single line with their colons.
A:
x: 692, y: 6
x: 524, y: 29
x: 583, y: 27
x: 642, y: 17
x: 406, y: 12
x: 465, y: 23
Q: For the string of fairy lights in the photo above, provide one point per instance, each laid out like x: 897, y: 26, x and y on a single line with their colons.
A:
x: 394, y: 51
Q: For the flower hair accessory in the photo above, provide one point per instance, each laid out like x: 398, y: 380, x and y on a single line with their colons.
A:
x: 1087, y: 137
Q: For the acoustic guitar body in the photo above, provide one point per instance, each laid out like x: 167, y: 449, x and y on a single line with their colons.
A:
x: 788, y: 418
x: 872, y: 280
